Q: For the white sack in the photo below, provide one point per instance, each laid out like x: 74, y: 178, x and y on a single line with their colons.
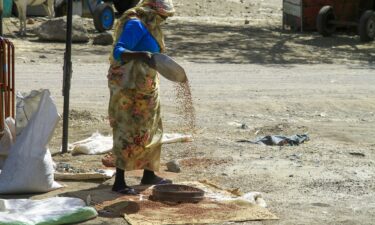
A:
x: 55, y: 210
x: 29, y: 166
x: 7, y: 139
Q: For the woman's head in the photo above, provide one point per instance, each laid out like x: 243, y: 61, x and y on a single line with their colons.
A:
x: 152, y: 13
x: 163, y: 8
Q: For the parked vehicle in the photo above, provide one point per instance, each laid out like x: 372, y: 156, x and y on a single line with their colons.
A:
x: 350, y: 13
x: 328, y: 15
x: 101, y: 10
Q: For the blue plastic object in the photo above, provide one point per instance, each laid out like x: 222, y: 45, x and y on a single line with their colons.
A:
x: 7, y: 11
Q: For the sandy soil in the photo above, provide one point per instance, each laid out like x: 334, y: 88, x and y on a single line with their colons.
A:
x: 244, y: 69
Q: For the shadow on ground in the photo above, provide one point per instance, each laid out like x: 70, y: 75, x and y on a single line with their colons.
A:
x: 242, y: 44
x: 260, y: 45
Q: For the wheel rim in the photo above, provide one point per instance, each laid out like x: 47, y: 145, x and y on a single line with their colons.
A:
x: 371, y: 27
x: 107, y: 19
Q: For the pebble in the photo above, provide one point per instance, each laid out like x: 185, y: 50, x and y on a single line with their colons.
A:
x: 244, y: 126
x: 173, y: 166
x: 30, y: 21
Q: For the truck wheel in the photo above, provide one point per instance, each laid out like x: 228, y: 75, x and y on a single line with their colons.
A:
x: 366, y: 28
x: 323, y: 20
x: 104, y: 17
x: 122, y: 5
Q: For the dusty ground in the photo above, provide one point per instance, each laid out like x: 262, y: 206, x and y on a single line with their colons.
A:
x: 274, y: 81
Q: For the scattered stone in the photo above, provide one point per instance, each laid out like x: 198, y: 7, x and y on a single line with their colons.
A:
x: 67, y: 168
x: 55, y: 30
x: 319, y: 204
x: 357, y: 154
x: 323, y: 114
x: 291, y: 175
x: 244, y: 126
x: 103, y: 39
x: 30, y: 21
x: 173, y: 166
x: 88, y: 200
x: 32, y: 60
x: 295, y: 156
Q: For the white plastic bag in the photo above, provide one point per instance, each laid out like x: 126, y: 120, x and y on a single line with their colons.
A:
x: 99, y: 144
x: 96, y: 144
x: 29, y: 166
x: 27, y: 105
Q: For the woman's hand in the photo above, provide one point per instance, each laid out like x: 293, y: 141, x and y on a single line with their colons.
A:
x: 145, y: 57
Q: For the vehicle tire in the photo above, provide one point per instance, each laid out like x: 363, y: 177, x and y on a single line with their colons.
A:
x: 104, y: 17
x: 322, y: 22
x: 122, y: 5
x: 14, y: 10
x: 366, y: 28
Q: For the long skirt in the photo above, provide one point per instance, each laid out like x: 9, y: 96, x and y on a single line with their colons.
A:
x: 134, y: 115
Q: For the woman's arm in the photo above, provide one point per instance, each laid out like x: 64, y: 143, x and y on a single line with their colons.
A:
x: 131, y: 35
x: 145, y: 57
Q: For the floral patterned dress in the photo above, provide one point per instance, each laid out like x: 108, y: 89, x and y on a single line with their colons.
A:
x: 134, y: 115
x: 134, y: 106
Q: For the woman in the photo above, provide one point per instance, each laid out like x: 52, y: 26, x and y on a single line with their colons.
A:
x: 134, y: 106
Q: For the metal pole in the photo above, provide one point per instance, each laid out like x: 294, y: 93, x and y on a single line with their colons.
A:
x: 1, y: 24
x: 67, y: 76
x: 1, y: 16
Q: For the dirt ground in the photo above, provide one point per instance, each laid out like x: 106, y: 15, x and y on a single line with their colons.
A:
x: 243, y: 69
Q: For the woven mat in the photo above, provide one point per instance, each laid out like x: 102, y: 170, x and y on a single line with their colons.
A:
x: 141, y: 211
x: 209, y: 212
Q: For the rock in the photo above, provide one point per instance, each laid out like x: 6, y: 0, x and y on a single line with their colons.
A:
x: 323, y: 114
x: 357, y: 154
x: 42, y: 57
x: 247, y: 21
x: 30, y: 21
x: 55, y: 30
x: 173, y: 166
x: 103, y: 39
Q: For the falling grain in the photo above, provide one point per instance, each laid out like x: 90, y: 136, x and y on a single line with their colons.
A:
x: 185, y: 106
